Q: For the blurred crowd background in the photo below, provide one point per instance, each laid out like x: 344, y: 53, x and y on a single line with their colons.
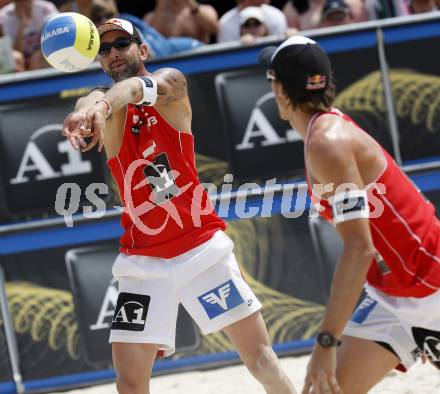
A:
x: 173, y: 26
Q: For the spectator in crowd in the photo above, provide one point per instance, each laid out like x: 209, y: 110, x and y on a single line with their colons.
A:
x: 380, y: 9
x: 252, y: 25
x: 103, y: 10
x: 229, y: 28
x: 335, y: 13
x: 178, y: 18
x: 308, y: 14
x: 421, y: 6
x: 10, y: 59
x: 22, y: 20
x: 80, y: 6
x: 158, y: 45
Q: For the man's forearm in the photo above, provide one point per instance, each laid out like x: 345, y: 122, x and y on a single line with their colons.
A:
x: 84, y: 103
x: 347, y: 286
x: 124, y: 92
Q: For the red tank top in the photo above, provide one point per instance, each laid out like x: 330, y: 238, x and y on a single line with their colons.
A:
x: 166, y: 212
x: 406, y: 233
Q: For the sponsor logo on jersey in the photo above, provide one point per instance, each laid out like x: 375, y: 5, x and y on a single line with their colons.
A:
x: 221, y: 299
x: 161, y: 179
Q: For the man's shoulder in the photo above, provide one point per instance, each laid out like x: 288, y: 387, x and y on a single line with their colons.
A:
x: 330, y: 134
x: 166, y: 72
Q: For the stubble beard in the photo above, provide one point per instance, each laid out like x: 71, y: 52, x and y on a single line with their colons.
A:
x: 130, y: 70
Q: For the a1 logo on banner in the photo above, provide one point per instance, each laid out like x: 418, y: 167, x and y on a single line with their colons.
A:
x: 253, y: 128
x: 33, y: 160
x: 36, y: 159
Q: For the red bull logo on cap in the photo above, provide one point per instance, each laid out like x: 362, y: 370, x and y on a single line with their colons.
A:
x: 315, y: 82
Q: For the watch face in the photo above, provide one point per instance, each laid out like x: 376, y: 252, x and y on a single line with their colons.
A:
x: 325, y: 340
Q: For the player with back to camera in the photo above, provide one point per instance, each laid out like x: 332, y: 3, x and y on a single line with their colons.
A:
x: 169, y: 254
x: 390, y: 234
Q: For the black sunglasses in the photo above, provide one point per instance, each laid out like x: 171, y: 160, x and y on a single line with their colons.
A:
x: 119, y: 44
x: 270, y: 76
x: 252, y: 23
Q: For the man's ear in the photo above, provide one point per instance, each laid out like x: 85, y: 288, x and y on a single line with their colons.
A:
x: 283, y: 99
x: 279, y: 92
x: 143, y: 50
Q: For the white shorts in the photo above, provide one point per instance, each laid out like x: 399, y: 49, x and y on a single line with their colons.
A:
x: 409, y: 325
x: 206, y: 280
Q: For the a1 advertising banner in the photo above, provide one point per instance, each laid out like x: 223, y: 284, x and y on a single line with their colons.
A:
x: 415, y: 84
x: 260, y: 144
x: 35, y: 159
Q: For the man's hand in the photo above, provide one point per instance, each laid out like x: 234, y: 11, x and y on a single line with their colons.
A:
x: 95, y: 124
x: 321, y: 372
x: 74, y: 124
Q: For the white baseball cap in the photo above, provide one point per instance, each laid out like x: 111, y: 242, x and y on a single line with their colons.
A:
x: 251, y: 13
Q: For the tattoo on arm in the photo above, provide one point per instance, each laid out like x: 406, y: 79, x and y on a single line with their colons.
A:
x: 171, y: 85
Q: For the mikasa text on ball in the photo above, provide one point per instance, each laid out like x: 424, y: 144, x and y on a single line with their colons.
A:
x: 69, y: 41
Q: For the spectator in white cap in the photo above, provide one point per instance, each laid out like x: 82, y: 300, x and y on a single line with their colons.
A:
x: 229, y: 24
x: 252, y: 25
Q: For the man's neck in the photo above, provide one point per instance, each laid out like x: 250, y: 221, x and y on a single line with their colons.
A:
x: 300, y: 120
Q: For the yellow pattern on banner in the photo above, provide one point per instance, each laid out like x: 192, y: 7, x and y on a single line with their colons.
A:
x: 45, y: 314
x: 416, y: 96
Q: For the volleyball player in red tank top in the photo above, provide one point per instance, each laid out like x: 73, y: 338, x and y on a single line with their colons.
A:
x: 174, y: 249
x: 390, y: 234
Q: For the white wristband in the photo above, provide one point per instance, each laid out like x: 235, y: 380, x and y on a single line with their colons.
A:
x: 149, y: 86
x: 349, y: 205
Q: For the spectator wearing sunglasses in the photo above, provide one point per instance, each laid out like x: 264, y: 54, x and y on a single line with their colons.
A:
x: 252, y: 25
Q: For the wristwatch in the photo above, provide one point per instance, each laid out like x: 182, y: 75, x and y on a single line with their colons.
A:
x: 326, y: 340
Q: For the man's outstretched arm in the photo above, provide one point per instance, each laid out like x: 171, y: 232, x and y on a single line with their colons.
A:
x: 164, y: 87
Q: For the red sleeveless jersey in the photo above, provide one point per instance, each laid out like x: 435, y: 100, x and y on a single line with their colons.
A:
x: 166, y: 212
x: 405, y: 232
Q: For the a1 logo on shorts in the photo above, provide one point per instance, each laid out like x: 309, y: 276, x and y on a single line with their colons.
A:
x: 221, y: 299
x: 131, y: 312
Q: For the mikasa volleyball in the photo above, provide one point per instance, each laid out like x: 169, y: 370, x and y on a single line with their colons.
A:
x: 69, y: 41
